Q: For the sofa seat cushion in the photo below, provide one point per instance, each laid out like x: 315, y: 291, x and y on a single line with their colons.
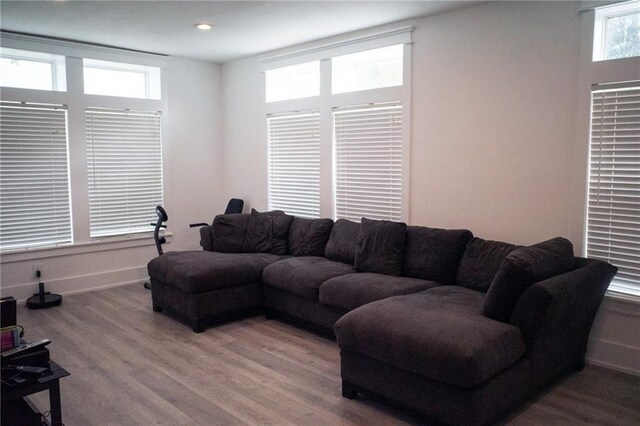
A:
x: 200, y: 271
x: 439, y: 333
x: 303, y: 275
x: 353, y: 290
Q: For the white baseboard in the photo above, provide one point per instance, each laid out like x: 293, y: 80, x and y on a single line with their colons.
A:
x: 80, y: 283
x: 614, y: 356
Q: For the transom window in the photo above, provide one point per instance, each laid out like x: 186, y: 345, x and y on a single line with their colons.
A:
x: 32, y: 70
x: 293, y: 82
x: 371, y: 69
x: 121, y: 79
x: 617, y: 31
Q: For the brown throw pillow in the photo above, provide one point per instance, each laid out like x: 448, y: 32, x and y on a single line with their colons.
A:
x: 308, y: 237
x: 380, y: 246
x: 229, y: 231
x: 343, y: 239
x: 522, y: 268
x: 267, y: 233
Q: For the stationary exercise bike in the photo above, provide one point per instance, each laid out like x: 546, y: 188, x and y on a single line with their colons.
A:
x: 162, y: 217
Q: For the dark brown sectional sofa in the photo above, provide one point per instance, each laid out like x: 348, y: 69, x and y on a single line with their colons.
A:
x: 457, y: 328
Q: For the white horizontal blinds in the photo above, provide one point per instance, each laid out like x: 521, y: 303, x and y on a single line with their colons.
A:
x: 294, y: 163
x: 34, y: 176
x: 368, y: 161
x: 124, y: 159
x: 613, y: 225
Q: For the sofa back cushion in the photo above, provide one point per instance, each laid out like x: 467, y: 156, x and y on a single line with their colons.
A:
x: 228, y: 232
x: 380, y: 246
x: 523, y: 267
x: 433, y: 254
x: 341, y: 246
x: 480, y: 263
x: 308, y: 237
x: 267, y: 232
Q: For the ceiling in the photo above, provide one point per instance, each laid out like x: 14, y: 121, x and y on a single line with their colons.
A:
x: 240, y: 28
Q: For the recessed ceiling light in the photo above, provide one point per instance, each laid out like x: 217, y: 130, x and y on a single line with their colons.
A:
x: 203, y: 26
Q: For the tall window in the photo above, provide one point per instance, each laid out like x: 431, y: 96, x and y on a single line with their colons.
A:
x: 124, y: 157
x: 344, y: 160
x: 294, y: 163
x: 613, y: 215
x: 368, y: 162
x: 34, y: 176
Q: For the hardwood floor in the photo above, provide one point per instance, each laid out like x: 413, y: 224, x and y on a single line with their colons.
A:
x: 131, y: 366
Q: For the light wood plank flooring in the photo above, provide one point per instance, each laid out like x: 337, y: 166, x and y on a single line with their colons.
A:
x: 131, y: 366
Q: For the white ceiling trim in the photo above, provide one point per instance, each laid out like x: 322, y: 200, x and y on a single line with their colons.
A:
x: 80, y: 49
x: 352, y: 44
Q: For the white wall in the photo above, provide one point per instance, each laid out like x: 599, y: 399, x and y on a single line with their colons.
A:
x: 493, y: 136
x: 193, y: 193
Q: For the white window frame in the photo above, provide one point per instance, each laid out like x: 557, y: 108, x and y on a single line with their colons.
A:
x: 590, y: 73
x: 326, y: 102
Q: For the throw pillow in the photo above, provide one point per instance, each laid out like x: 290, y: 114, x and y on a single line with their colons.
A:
x: 522, y: 268
x: 380, y: 246
x: 433, y: 254
x: 480, y: 263
x: 229, y: 231
x: 308, y: 237
x: 341, y: 246
x: 267, y: 233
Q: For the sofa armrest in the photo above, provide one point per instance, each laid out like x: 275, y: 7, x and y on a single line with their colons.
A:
x: 206, y: 238
x: 555, y: 317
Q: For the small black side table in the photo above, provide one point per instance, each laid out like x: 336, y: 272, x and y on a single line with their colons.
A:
x: 50, y: 382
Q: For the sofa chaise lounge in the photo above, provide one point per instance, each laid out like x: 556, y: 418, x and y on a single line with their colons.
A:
x: 457, y: 328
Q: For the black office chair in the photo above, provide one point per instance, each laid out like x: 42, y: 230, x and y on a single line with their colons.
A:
x: 234, y: 206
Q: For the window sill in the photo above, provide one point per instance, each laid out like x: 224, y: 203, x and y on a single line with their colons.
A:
x: 616, y: 300
x: 103, y: 244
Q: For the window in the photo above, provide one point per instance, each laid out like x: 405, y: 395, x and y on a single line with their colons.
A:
x: 341, y: 153
x: 613, y: 206
x: 371, y: 69
x: 293, y: 82
x: 32, y: 70
x: 120, y: 79
x: 294, y: 163
x: 617, y: 31
x: 124, y: 157
x: 368, y: 162
x: 34, y: 176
